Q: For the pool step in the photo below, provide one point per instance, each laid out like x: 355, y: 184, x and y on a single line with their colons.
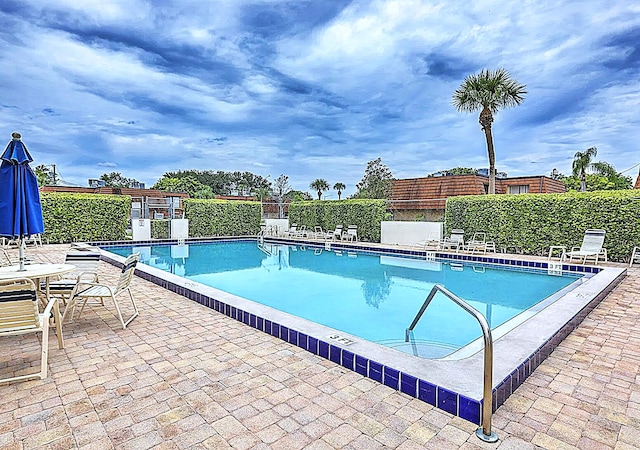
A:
x: 421, y: 348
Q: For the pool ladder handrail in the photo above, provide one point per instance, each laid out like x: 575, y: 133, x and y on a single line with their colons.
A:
x: 484, y: 432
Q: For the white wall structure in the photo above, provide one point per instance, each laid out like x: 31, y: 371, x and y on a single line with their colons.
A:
x: 409, y: 233
x: 179, y: 228
x: 141, y: 229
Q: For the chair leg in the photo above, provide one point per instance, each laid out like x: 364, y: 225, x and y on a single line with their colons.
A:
x: 71, y: 306
x: 58, y: 322
x: 135, y: 310
x: 45, y: 347
x: 84, y: 303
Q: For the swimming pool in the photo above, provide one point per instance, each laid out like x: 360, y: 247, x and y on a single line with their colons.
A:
x: 373, y: 297
x: 454, y: 383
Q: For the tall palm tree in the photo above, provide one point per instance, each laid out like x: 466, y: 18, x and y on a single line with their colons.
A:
x: 319, y: 186
x: 489, y: 91
x: 581, y: 162
x: 339, y: 187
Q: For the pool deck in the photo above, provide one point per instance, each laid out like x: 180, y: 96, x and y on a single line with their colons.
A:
x: 184, y: 376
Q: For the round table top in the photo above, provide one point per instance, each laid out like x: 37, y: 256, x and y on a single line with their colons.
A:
x: 35, y: 270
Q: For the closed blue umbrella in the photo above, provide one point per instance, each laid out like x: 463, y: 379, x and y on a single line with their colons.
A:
x: 20, y: 208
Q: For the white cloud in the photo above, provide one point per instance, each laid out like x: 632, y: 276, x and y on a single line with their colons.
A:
x: 374, y: 80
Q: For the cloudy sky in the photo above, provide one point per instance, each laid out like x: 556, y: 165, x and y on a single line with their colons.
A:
x: 314, y: 88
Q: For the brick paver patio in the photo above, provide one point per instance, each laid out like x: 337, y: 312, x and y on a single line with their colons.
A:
x: 184, y: 376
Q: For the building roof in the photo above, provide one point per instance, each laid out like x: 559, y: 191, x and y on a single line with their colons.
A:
x: 432, y: 192
x: 637, y: 185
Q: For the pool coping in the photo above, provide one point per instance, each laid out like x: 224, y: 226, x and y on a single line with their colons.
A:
x: 437, y: 382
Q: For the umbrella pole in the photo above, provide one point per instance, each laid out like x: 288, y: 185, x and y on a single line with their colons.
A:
x: 21, y: 252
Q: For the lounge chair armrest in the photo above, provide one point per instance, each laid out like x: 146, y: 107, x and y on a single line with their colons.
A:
x: 86, y: 285
x: 49, y: 307
x: 92, y: 275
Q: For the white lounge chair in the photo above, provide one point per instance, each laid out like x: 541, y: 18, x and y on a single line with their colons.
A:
x: 591, y: 248
x: 335, y: 234
x: 479, y: 244
x: 34, y: 239
x: 455, y: 241
x: 301, y: 232
x: 351, y: 234
x: 293, y: 229
x: 432, y: 241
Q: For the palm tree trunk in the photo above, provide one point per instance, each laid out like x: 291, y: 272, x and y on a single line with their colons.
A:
x: 583, y: 182
x: 486, y: 119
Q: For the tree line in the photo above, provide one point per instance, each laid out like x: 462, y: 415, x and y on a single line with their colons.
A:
x: 376, y: 183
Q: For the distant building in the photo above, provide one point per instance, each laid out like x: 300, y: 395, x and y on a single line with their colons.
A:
x: 637, y: 185
x: 145, y: 203
x: 96, y: 183
x: 427, y: 196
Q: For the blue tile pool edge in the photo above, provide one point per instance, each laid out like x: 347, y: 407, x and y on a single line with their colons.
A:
x: 457, y: 404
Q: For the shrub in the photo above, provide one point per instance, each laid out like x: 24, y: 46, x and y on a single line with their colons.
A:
x: 365, y: 213
x: 160, y: 228
x: 84, y: 217
x: 222, y: 217
x: 534, y: 222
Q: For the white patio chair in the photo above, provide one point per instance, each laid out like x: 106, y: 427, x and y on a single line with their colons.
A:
x: 591, y: 248
x: 335, y: 234
x: 19, y: 315
x: 477, y: 243
x: 351, y: 234
x: 291, y: 232
x: 86, y: 291
x: 301, y: 232
x: 86, y: 262
x: 455, y: 241
x: 34, y: 239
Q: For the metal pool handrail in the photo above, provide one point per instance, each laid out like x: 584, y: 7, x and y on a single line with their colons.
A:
x: 484, y: 432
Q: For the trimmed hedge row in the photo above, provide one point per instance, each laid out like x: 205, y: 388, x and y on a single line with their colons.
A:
x: 365, y: 213
x: 84, y: 217
x: 222, y: 217
x: 160, y: 228
x: 534, y: 222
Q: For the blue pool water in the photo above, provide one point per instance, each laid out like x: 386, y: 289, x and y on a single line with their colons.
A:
x: 371, y: 296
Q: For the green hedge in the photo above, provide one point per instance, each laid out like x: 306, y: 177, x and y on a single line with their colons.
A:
x: 84, y: 217
x: 222, y: 217
x: 534, y: 222
x: 160, y: 228
x: 366, y: 214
